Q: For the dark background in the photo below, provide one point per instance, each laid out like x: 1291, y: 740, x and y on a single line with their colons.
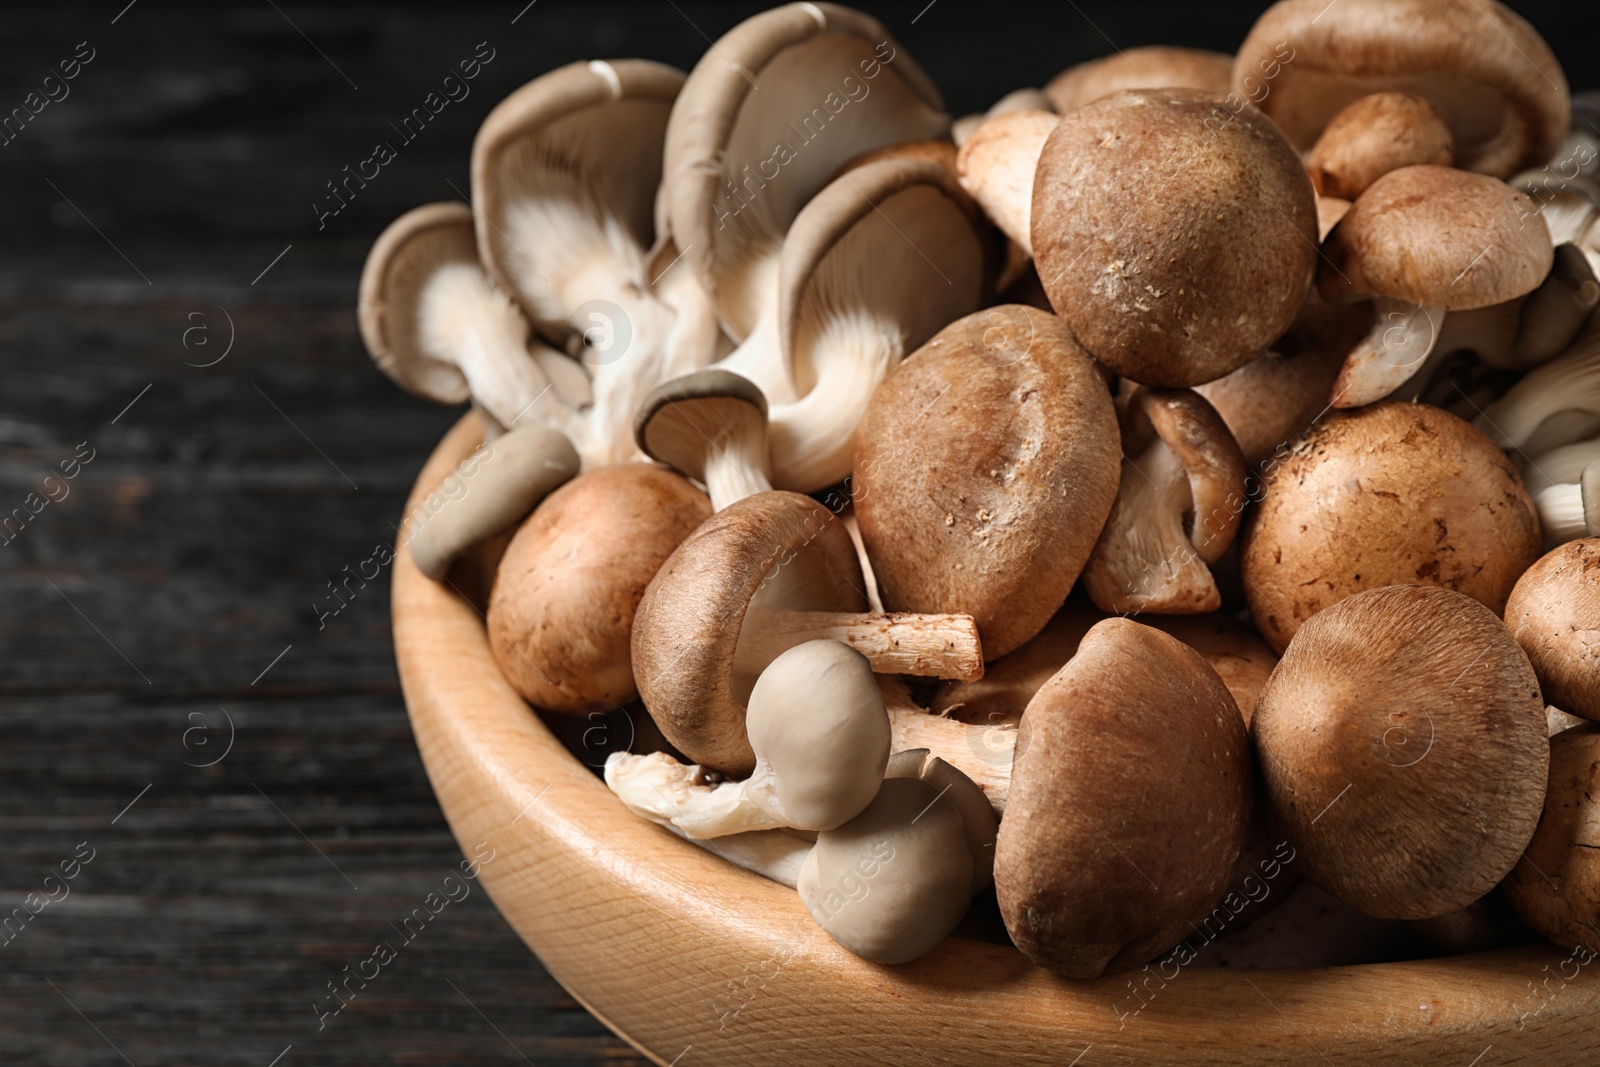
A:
x: 137, y: 612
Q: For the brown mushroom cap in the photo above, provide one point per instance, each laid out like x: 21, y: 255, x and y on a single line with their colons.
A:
x: 1554, y: 613
x: 1402, y: 740
x: 1176, y: 237
x: 1129, y: 800
x: 1149, y: 67
x: 1388, y: 494
x: 985, y: 466
x: 1482, y: 66
x: 1374, y: 135
x: 783, y: 547
x: 1438, y: 237
x: 561, y: 614
x: 1555, y: 887
x: 1235, y: 651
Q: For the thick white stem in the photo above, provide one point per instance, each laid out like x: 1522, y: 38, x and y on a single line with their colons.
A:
x: 1561, y: 514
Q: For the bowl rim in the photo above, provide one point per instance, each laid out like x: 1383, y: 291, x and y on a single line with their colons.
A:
x: 679, y: 952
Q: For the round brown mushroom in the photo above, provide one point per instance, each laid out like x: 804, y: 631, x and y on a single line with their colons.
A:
x: 1488, y: 72
x: 764, y: 574
x: 1173, y: 289
x: 1402, y: 741
x: 1388, y: 494
x: 1554, y: 613
x: 1129, y: 803
x: 1373, y: 136
x: 1555, y: 887
x: 1149, y: 67
x: 561, y: 614
x: 985, y: 466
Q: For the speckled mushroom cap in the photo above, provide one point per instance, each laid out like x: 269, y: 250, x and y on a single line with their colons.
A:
x: 1437, y: 237
x: 1389, y: 494
x: 561, y: 613
x: 746, y: 148
x: 1402, y: 743
x: 1176, y: 238
x: 388, y: 302
x: 1554, y: 613
x: 985, y: 466
x: 1374, y: 135
x: 1555, y: 887
x: 1486, y: 70
x: 1130, y: 796
x: 1149, y: 67
x: 780, y: 546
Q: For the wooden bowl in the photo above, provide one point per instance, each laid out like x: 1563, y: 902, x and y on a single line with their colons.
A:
x: 693, y: 961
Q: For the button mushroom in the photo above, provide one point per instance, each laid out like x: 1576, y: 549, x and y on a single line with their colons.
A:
x: 1129, y: 803
x: 1373, y: 136
x: 1402, y: 741
x: 893, y: 882
x: 1555, y: 887
x: 1554, y: 614
x: 985, y: 466
x: 1149, y: 67
x: 433, y: 322
x: 820, y: 735
x: 744, y: 155
x: 1384, y: 495
x: 1422, y: 242
x: 1177, y: 510
x: 565, y: 173
x: 562, y: 609
x: 768, y: 572
x: 1177, y: 245
x: 1483, y: 68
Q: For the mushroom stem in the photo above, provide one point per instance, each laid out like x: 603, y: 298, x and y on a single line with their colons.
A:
x: 982, y: 753
x: 466, y: 321
x: 1402, y: 336
x: 936, y: 646
x: 659, y: 788
x: 1554, y: 405
x: 1568, y: 511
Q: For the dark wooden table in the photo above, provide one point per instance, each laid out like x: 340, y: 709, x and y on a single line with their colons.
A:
x: 243, y: 778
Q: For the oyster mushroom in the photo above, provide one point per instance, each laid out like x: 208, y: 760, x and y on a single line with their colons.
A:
x: 985, y: 466
x: 565, y: 173
x: 1554, y: 614
x: 1402, y: 741
x: 1388, y: 494
x: 1482, y: 67
x: 435, y: 324
x: 1555, y: 887
x: 1149, y: 67
x: 562, y: 609
x: 711, y: 426
x: 1172, y: 290
x: 1426, y: 245
x: 1374, y: 135
x: 1122, y: 827
x: 1555, y: 404
x: 743, y: 156
x: 766, y: 573
x: 1178, y: 507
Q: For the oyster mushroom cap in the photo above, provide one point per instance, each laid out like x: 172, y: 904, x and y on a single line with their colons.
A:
x: 1554, y: 614
x: 985, y: 466
x: 1487, y: 72
x: 561, y: 613
x: 743, y: 156
x: 1173, y: 290
x: 711, y: 426
x: 1123, y: 826
x: 1148, y: 67
x: 1373, y: 136
x: 436, y: 326
x: 1567, y: 909
x: 1402, y: 742
x: 1389, y: 494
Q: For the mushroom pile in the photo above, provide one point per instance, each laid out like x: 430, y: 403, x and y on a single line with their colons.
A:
x: 1179, y: 480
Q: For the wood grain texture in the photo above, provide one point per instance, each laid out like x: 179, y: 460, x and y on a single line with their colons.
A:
x: 692, y: 960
